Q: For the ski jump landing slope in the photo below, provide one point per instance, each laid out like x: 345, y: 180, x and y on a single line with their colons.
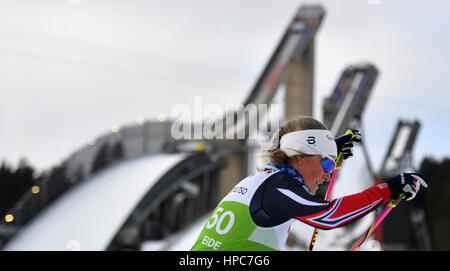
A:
x: 88, y: 216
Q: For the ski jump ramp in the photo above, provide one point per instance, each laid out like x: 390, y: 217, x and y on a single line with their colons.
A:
x: 92, y: 212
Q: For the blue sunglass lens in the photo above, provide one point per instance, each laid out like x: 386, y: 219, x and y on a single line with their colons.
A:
x: 328, y: 165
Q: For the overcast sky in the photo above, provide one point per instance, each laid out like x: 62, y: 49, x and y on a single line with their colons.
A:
x: 70, y: 69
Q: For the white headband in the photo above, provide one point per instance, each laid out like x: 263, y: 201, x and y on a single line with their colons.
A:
x: 308, y: 142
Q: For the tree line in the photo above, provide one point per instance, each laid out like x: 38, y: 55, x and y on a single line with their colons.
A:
x: 437, y: 200
x: 15, y: 181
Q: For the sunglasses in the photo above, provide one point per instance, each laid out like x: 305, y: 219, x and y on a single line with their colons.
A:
x: 328, y: 163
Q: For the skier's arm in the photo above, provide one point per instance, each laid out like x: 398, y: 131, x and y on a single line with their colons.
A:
x: 290, y: 200
x: 347, y: 209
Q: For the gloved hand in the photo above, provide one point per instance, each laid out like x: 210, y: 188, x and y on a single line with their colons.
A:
x: 345, y: 143
x: 408, y: 183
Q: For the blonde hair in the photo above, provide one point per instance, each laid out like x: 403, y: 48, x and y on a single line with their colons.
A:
x: 297, y: 123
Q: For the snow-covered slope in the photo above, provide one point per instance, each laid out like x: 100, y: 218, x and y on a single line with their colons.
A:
x: 88, y: 216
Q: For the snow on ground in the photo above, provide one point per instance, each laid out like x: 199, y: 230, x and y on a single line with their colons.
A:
x: 181, y: 241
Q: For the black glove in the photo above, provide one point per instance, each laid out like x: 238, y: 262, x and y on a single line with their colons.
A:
x: 407, y: 183
x: 344, y: 143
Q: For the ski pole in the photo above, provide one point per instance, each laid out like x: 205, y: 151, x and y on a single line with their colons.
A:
x: 391, y: 204
x: 328, y: 193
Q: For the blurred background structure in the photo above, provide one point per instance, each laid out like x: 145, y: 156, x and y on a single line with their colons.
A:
x: 137, y: 187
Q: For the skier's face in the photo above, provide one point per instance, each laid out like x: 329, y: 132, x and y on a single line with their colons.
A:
x: 311, y: 169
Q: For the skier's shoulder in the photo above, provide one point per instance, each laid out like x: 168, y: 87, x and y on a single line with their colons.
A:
x: 283, y: 181
x: 267, y: 172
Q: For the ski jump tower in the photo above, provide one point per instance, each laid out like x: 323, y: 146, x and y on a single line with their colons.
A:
x: 291, y: 65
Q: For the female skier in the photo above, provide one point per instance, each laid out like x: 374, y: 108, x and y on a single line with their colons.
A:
x: 258, y: 211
